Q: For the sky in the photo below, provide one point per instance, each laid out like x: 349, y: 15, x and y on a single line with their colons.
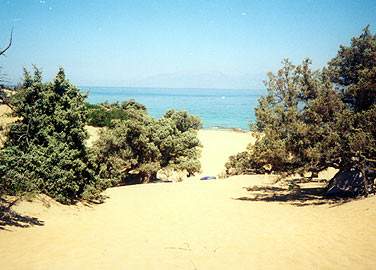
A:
x: 175, y: 44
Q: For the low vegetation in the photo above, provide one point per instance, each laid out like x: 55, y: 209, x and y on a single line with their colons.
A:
x: 44, y: 149
x: 308, y: 121
x: 312, y: 120
x: 104, y: 114
x: 134, y: 150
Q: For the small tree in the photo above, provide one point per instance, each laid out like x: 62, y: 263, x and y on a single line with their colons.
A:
x: 353, y: 71
x: 297, y: 119
x: 45, y: 148
x: 104, y: 114
x: 176, y: 138
x: 126, y: 154
x: 312, y: 120
x: 136, y: 148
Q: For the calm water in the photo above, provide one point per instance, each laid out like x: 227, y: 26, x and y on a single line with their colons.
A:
x: 216, y: 107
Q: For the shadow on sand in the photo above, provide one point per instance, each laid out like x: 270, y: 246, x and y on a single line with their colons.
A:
x: 9, y: 217
x: 299, y: 197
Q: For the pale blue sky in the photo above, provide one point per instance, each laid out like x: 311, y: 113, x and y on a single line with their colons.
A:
x: 220, y: 44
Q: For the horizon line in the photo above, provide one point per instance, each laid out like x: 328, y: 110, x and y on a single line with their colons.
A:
x: 171, y: 88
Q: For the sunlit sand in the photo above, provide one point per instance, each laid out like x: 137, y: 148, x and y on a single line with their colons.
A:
x: 195, y: 225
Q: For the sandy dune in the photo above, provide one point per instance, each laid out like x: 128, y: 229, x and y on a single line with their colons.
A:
x: 196, y: 225
x: 218, y: 146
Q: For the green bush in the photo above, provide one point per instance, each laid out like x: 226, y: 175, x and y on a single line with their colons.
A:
x: 45, y: 150
x: 353, y: 72
x: 312, y: 120
x: 103, y: 115
x: 297, y: 119
x: 133, y: 150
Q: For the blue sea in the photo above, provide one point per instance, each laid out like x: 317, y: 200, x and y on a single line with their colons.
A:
x: 217, y: 108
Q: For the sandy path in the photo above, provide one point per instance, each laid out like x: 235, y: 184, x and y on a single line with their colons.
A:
x: 218, y: 146
x: 193, y: 225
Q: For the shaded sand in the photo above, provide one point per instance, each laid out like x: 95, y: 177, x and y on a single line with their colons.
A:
x: 195, y: 225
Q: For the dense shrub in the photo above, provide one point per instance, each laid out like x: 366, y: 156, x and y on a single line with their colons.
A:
x: 133, y: 150
x: 103, y: 115
x: 312, y: 120
x: 297, y: 119
x: 353, y: 72
x: 175, y: 135
x: 45, y: 150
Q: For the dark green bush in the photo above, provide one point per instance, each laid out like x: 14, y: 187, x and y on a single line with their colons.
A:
x: 312, y: 120
x: 45, y: 150
x: 103, y: 115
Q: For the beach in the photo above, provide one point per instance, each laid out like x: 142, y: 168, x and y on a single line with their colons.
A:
x: 187, y: 135
x: 216, y: 224
x: 218, y: 145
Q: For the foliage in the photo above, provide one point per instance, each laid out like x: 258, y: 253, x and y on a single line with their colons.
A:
x: 312, y: 120
x: 183, y: 120
x: 296, y: 118
x: 353, y: 71
x: 103, y: 115
x: 135, y: 149
x: 125, y: 150
x: 3, y: 94
x: 175, y: 135
x: 45, y: 148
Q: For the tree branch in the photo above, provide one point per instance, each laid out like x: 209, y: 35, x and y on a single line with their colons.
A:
x: 9, y: 44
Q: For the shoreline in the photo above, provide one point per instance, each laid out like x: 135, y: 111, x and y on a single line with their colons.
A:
x: 219, y: 128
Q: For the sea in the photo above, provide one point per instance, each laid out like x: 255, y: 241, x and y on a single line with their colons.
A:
x: 217, y: 108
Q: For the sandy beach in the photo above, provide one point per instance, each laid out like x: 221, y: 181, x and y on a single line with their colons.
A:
x: 98, y: 96
x: 218, y: 146
x: 195, y: 225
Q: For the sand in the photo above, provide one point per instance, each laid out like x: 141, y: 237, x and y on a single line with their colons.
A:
x: 5, y: 119
x: 218, y: 146
x: 93, y: 133
x: 196, y: 225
